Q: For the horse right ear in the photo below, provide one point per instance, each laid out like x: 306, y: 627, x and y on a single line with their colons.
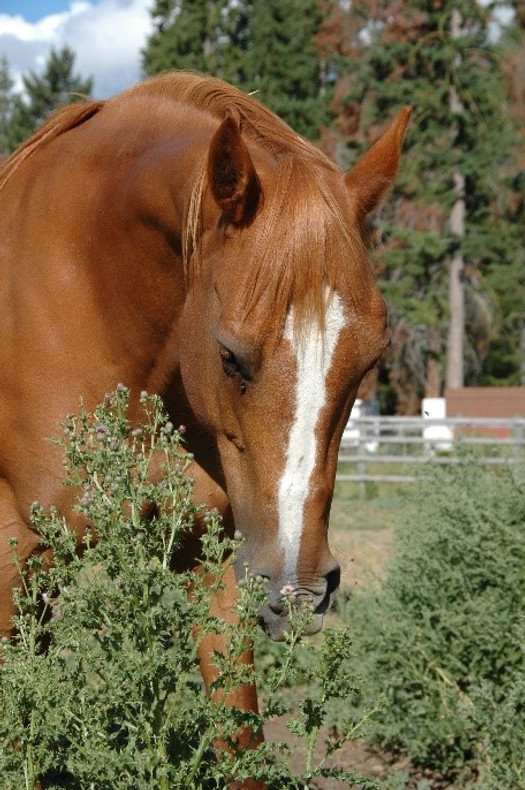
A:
x: 374, y: 173
x: 233, y: 180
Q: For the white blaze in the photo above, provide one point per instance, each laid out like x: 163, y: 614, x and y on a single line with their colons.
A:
x: 313, y: 353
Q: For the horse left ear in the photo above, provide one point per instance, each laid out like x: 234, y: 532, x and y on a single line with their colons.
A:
x: 374, y: 173
x: 234, y: 183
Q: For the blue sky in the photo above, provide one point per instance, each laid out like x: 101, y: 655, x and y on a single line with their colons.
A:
x: 106, y: 36
x: 32, y: 10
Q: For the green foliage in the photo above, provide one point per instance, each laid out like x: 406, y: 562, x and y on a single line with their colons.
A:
x: 412, y: 57
x: 194, y: 35
x: 46, y: 92
x: 100, y: 686
x: 266, y: 47
x: 285, y: 67
x: 443, y: 640
x: 6, y: 100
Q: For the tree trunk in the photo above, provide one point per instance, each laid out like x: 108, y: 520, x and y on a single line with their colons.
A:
x: 456, y: 288
x: 434, y: 373
x: 522, y: 356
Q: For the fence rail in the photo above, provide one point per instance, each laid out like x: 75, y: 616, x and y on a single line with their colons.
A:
x: 389, y: 449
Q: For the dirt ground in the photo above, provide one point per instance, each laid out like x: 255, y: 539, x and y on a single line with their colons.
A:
x: 360, y: 757
x: 356, y: 755
x: 363, y: 555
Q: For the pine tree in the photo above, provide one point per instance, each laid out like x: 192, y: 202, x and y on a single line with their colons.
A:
x: 505, y: 362
x: 55, y: 87
x: 457, y: 148
x: 284, y: 65
x: 266, y: 46
x: 198, y: 35
x: 6, y: 101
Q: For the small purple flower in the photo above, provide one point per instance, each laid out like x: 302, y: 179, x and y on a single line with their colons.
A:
x: 102, y: 430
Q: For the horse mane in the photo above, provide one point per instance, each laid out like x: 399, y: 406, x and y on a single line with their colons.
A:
x: 300, y: 247
x: 220, y: 99
x: 61, y: 121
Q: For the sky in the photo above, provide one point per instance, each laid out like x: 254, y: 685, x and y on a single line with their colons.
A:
x: 106, y: 36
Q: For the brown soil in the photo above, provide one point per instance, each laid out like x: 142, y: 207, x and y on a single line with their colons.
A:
x: 362, y: 554
x: 357, y: 756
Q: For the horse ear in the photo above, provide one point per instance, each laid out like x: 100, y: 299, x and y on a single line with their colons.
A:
x: 232, y: 177
x: 374, y: 173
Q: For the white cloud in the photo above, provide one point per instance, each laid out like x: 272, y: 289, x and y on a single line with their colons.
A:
x: 107, y: 38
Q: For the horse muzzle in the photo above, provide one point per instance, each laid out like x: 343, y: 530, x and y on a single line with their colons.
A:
x: 291, y: 606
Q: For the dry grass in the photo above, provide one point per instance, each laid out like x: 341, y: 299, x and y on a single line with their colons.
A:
x: 361, y: 534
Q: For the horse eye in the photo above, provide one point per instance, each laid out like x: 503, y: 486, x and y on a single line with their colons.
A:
x: 233, y: 367
x: 229, y: 362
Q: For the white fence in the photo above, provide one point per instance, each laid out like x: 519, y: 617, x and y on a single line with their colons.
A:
x: 389, y: 449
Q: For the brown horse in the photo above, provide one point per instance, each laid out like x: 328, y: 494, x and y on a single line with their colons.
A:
x: 183, y: 240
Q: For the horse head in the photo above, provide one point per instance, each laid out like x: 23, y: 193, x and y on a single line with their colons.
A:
x: 281, y: 321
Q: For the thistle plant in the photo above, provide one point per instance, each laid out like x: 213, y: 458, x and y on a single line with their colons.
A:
x: 100, y: 686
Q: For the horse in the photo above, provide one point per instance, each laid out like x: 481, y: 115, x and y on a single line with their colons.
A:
x: 183, y: 240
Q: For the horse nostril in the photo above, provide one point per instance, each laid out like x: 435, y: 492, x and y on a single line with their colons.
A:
x: 333, y: 579
x: 277, y: 607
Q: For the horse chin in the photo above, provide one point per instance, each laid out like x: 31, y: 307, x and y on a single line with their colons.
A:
x: 277, y: 626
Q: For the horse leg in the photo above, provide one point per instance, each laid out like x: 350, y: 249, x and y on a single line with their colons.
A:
x: 243, y: 697
x: 208, y: 493
x: 12, y: 527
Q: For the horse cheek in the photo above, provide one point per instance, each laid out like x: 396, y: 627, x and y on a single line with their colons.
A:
x: 197, y: 369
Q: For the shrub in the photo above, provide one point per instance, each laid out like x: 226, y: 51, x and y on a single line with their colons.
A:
x: 443, y: 640
x: 115, y: 700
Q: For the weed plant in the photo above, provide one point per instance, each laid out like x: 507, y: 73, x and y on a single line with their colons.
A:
x: 443, y: 640
x: 99, y: 689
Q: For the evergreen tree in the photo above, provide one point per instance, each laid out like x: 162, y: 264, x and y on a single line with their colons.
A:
x: 505, y: 362
x: 55, y: 87
x: 6, y: 101
x: 265, y: 46
x: 458, y: 147
x: 198, y: 35
x: 284, y: 65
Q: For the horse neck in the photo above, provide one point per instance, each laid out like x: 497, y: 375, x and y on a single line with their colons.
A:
x: 140, y: 239
x: 125, y: 212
